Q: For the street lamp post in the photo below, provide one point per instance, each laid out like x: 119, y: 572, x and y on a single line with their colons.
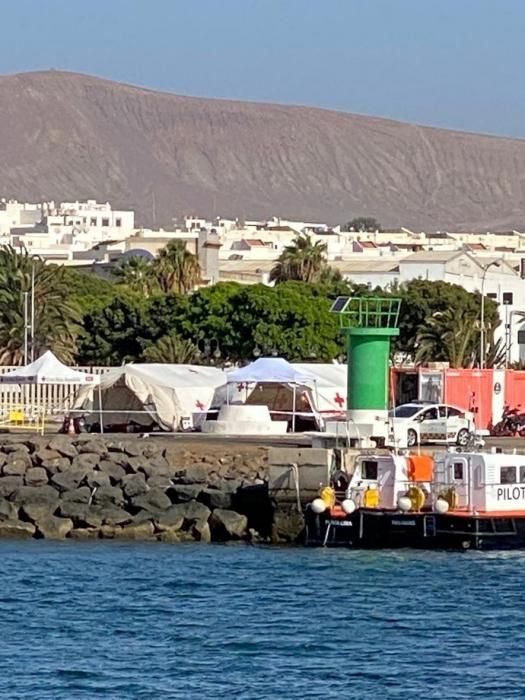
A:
x: 494, y: 263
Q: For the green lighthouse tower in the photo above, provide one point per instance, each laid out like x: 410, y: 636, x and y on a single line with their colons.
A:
x: 368, y: 323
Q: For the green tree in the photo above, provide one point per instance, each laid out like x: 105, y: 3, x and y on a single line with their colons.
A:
x: 176, y: 269
x: 362, y: 223
x: 88, y: 290
x: 173, y: 350
x: 422, y: 299
x: 303, y: 261
x: 57, y: 315
x: 136, y: 273
x: 115, y: 334
x: 449, y: 336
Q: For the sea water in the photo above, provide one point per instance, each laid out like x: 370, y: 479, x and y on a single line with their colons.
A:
x: 129, y: 621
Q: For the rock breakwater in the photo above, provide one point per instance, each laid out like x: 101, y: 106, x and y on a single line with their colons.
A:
x: 151, y: 489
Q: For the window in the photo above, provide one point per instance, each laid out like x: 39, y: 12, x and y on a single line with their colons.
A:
x: 93, y: 221
x: 458, y: 470
x: 507, y: 475
x: 522, y: 475
x: 454, y: 412
x: 105, y: 222
x: 492, y: 295
x: 369, y: 469
x: 118, y: 223
x: 430, y: 414
x: 442, y: 411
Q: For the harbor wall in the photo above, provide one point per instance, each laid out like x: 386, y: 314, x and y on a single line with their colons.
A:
x: 135, y: 489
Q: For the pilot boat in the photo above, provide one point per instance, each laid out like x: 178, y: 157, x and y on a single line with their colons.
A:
x: 451, y: 500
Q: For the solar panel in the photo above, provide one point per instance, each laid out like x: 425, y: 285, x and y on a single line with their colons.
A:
x: 339, y: 304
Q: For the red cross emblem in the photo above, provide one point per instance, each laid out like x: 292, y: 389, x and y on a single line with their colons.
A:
x: 200, y: 405
x: 339, y: 400
x: 240, y: 387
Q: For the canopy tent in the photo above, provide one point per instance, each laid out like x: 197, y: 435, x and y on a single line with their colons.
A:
x: 160, y: 393
x: 274, y: 371
x: 46, y: 370
x: 271, y: 369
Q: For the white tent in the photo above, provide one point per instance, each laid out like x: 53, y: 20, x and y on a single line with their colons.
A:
x: 274, y: 371
x: 331, y: 385
x: 271, y: 369
x: 161, y: 393
x: 48, y: 370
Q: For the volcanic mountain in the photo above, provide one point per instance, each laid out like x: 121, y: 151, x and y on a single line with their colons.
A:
x: 66, y: 136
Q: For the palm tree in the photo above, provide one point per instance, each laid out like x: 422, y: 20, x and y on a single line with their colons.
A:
x: 137, y: 274
x: 302, y: 260
x: 57, y: 319
x: 176, y: 269
x: 448, y: 336
x: 172, y: 350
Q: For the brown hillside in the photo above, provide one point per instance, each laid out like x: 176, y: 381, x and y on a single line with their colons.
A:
x: 68, y: 136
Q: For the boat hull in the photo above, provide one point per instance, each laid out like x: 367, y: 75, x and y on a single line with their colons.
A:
x: 386, y: 529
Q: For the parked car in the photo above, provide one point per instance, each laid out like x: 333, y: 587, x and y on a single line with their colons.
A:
x: 421, y: 422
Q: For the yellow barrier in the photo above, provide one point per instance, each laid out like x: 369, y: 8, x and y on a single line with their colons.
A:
x: 22, y: 417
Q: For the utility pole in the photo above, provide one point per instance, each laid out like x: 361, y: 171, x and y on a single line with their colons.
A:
x: 26, y: 326
x: 32, y: 310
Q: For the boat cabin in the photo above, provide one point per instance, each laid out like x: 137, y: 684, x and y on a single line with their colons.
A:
x: 470, y: 482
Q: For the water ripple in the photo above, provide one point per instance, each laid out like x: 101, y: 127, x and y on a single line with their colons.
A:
x: 132, y: 622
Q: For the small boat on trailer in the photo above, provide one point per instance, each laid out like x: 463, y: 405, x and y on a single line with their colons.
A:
x: 451, y: 500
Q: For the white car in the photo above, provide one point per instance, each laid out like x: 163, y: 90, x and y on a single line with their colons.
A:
x: 418, y: 422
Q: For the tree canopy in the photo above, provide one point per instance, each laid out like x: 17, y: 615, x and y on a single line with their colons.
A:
x: 362, y: 223
x: 93, y: 321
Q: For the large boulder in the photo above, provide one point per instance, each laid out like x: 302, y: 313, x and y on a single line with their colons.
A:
x: 45, y: 455
x: 171, y: 519
x: 86, y: 461
x: 151, y: 450
x: 108, y: 495
x: 201, y: 531
x: 73, y: 510
x: 112, y: 515
x: 181, y: 493
x: 8, y: 510
x: 92, y: 446
x: 96, y: 479
x: 153, y: 500
x: 132, y: 448
x: 16, y: 528
x: 80, y: 495
x: 213, y: 498
x: 135, y: 464
x: 58, y: 464
x: 3, y: 459
x: 17, y: 463
x: 39, y: 510
x: 10, y: 484
x: 63, y: 445
x: 36, y: 476
x: 15, y: 446
x: 155, y: 466
x: 134, y: 485
x: 35, y: 494
x: 159, y: 481
x: 114, y: 471
x: 227, y: 525
x: 53, y: 528
x: 192, y: 512
x: 68, y: 480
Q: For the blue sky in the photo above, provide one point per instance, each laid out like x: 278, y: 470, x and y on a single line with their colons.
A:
x: 451, y: 63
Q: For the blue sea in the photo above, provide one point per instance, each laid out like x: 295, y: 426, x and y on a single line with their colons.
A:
x: 132, y: 621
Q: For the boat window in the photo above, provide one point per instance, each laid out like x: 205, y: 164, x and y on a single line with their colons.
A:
x: 508, y: 475
x: 458, y: 470
x: 522, y: 475
x: 369, y: 469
